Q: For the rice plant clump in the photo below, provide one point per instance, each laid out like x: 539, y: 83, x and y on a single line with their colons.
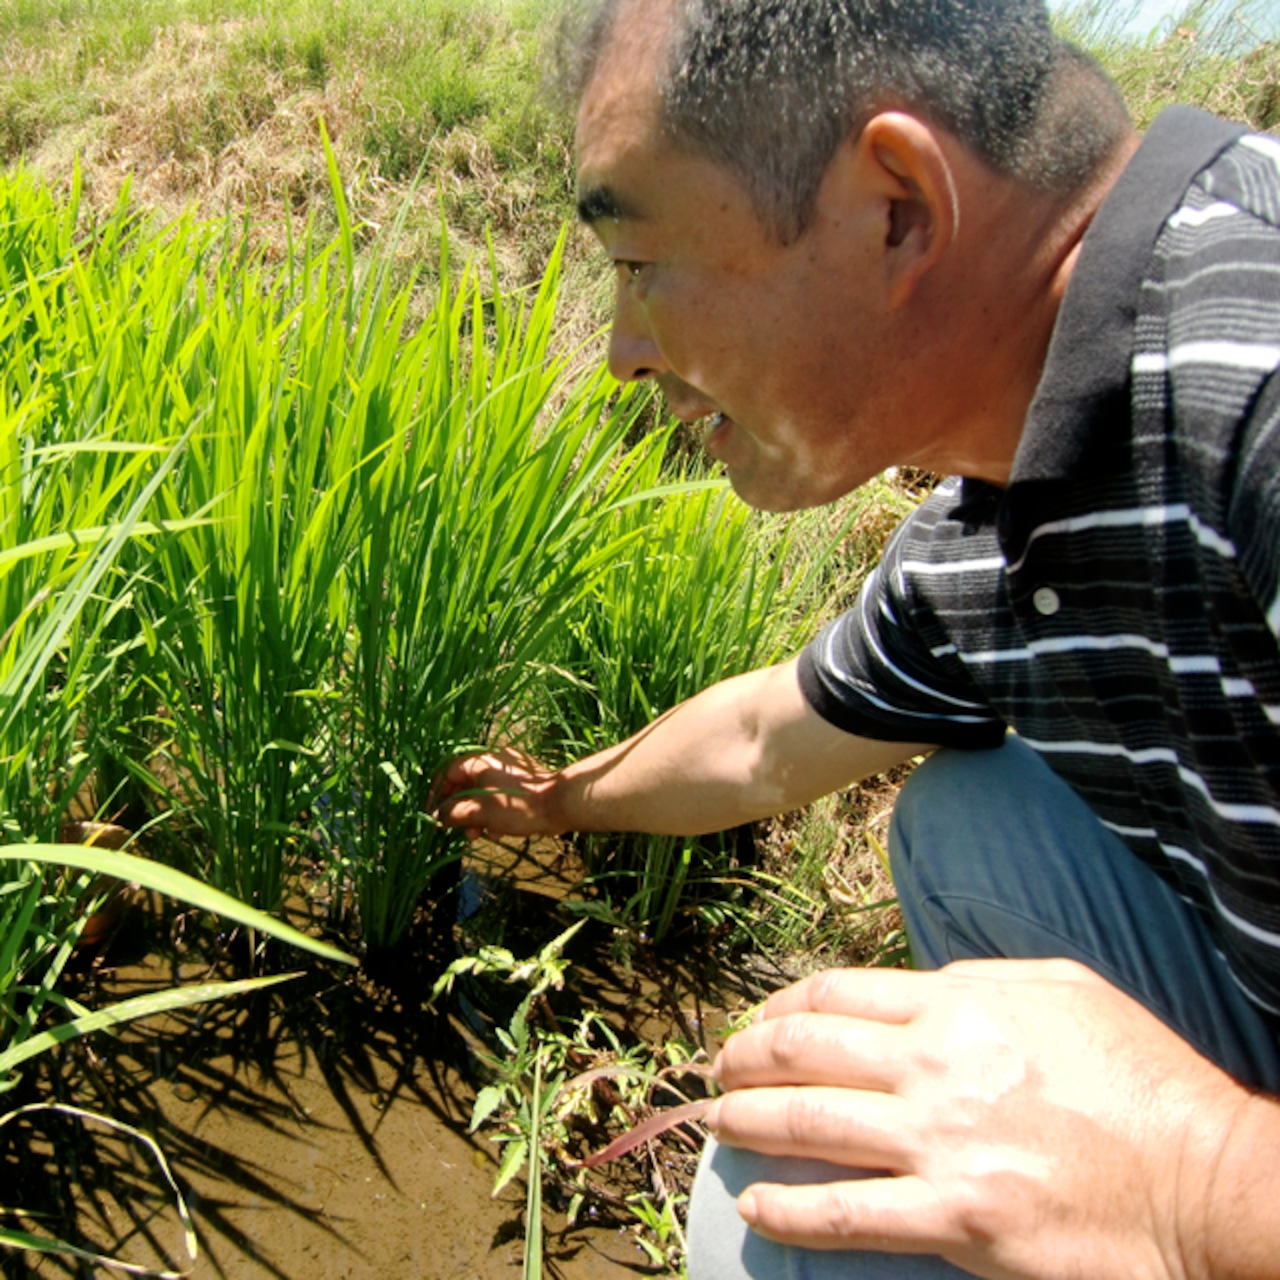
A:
x: 361, y: 544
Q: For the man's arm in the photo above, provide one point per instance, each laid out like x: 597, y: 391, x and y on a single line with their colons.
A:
x: 746, y: 748
x: 1032, y: 1121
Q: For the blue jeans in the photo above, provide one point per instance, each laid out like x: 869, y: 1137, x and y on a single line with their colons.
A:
x: 993, y: 855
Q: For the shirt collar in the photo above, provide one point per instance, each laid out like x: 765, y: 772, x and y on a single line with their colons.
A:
x: 1081, y: 406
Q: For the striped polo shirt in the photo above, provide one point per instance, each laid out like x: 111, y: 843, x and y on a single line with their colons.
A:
x: 1117, y: 604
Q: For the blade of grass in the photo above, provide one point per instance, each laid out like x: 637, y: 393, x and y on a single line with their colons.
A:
x: 25, y: 1240
x: 175, y: 884
x: 128, y: 1011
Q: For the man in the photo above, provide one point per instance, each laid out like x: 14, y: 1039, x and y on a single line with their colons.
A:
x: 921, y: 231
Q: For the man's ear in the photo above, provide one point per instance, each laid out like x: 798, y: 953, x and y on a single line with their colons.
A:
x: 900, y: 170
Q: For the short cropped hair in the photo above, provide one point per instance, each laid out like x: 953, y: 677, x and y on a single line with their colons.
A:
x: 770, y: 88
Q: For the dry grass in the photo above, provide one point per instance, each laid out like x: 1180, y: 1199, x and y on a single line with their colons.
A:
x: 220, y: 118
x: 1179, y: 68
x: 838, y: 908
x: 1221, y: 55
x: 181, y: 143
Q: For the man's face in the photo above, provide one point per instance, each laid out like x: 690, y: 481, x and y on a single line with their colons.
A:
x: 783, y: 351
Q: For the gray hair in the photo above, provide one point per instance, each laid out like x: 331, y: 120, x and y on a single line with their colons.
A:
x: 770, y: 88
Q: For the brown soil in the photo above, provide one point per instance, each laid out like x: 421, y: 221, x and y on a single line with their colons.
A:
x: 319, y: 1129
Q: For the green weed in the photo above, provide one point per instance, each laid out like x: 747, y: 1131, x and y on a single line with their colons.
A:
x: 552, y: 1081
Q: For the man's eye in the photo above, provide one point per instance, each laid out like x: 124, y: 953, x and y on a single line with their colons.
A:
x: 632, y: 269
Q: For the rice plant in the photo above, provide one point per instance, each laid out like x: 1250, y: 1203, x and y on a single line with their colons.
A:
x: 246, y: 612
x: 77, y: 496
x: 355, y: 563
x: 481, y: 531
x: 707, y: 590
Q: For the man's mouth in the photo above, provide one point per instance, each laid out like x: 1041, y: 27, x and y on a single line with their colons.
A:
x: 710, y: 425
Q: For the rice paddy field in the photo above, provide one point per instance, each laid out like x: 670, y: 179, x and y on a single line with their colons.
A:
x: 310, y: 478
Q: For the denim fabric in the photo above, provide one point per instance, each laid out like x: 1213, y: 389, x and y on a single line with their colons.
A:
x: 993, y: 855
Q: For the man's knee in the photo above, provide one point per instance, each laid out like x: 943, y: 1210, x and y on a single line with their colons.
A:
x: 960, y: 803
x: 952, y: 798
x: 721, y: 1247
x: 990, y: 851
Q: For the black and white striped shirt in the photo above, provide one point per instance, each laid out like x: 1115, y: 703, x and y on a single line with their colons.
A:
x: 1117, y: 604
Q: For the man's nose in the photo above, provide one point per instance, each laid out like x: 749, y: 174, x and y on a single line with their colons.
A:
x: 633, y: 354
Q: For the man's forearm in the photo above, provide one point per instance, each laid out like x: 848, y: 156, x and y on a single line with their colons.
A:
x: 746, y: 748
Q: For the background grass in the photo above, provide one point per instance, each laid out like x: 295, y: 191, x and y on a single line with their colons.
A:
x: 217, y: 105
x: 1211, y: 55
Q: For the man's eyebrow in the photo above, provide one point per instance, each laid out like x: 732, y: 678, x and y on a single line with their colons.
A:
x: 597, y: 202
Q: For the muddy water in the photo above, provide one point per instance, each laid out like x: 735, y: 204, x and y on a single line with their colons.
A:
x: 319, y: 1131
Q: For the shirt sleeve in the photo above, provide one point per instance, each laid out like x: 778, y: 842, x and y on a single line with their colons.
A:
x: 873, y: 674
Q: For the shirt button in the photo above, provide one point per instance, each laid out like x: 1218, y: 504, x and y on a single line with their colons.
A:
x: 1046, y: 601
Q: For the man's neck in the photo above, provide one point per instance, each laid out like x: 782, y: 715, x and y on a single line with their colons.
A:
x: 998, y: 304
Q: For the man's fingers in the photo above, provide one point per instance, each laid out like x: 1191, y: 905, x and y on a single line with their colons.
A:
x: 999, y: 970
x: 890, y: 1215
x: 899, y: 995
x: 458, y: 776
x: 842, y: 1126
x: 482, y: 770
x: 881, y: 995
x: 479, y: 809
x: 812, y: 1048
x: 460, y: 809
x: 498, y: 793
x: 473, y: 787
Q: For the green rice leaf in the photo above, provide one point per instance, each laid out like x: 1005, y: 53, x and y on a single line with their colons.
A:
x: 76, y: 538
x: 133, y: 869
x: 130, y: 1010
x: 340, y: 203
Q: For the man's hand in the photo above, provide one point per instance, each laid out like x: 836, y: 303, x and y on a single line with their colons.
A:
x: 1036, y: 1122
x: 746, y: 748
x: 499, y: 793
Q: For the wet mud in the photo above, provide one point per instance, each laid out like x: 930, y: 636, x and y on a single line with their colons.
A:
x: 319, y: 1130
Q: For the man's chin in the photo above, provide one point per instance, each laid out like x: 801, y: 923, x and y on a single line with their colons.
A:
x: 771, y: 492
x: 764, y: 497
